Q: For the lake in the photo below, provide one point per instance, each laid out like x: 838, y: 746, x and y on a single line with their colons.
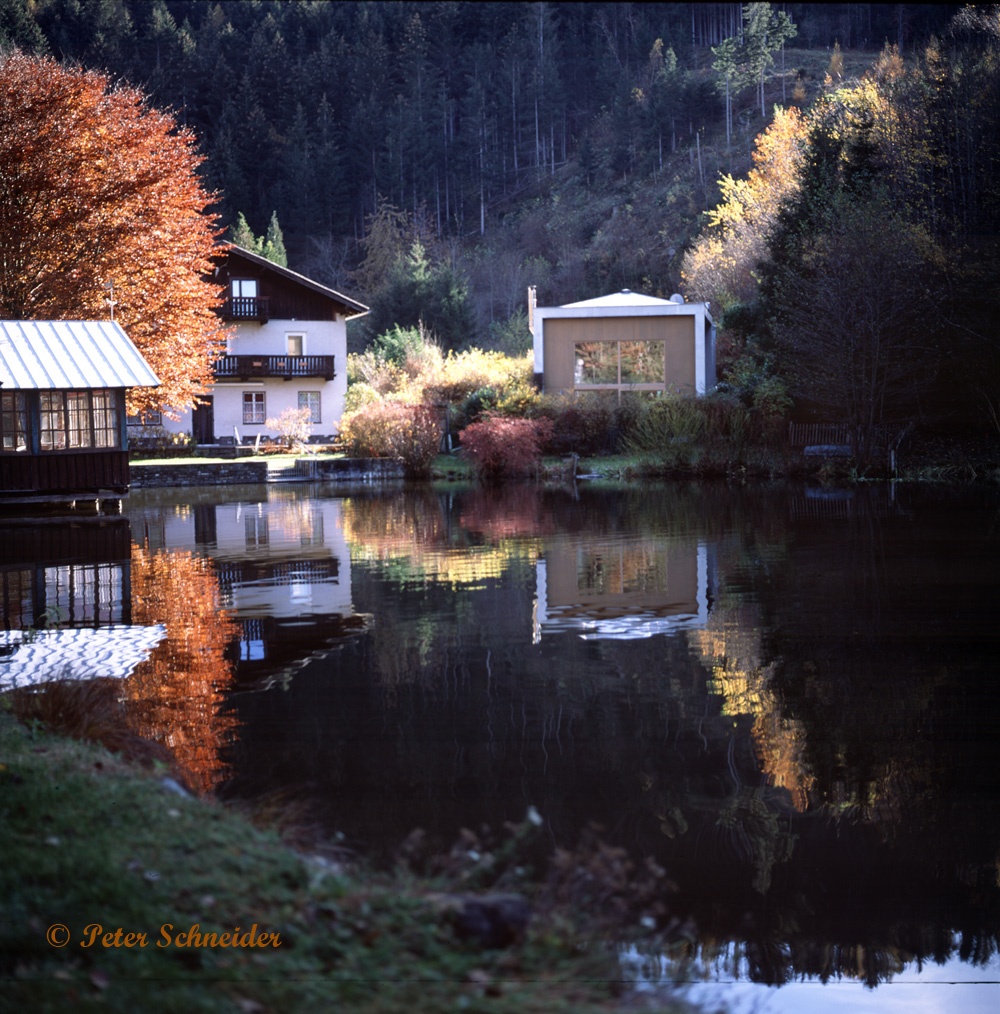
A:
x: 788, y: 698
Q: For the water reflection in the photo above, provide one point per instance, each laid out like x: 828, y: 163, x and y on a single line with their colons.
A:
x: 788, y: 699
x: 799, y: 734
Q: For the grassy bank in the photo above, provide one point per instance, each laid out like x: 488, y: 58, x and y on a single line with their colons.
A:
x: 88, y: 838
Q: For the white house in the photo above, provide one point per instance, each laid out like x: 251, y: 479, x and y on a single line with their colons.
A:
x: 288, y: 350
x: 624, y: 341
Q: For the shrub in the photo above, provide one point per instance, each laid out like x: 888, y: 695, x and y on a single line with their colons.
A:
x: 589, y: 423
x: 483, y: 399
x: 156, y: 440
x: 398, y: 343
x: 459, y: 374
x: 359, y: 395
x: 708, y: 435
x: 372, y: 369
x: 505, y: 448
x: 291, y: 428
x: 390, y: 429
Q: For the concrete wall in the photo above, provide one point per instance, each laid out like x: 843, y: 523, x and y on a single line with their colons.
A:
x: 233, y: 473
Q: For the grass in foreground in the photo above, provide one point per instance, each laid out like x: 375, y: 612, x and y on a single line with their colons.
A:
x: 88, y: 838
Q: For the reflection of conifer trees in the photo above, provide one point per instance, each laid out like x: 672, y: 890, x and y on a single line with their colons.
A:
x: 174, y: 697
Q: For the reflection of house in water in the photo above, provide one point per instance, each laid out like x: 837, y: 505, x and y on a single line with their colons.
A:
x: 74, y: 575
x: 624, y: 589
x: 284, y: 575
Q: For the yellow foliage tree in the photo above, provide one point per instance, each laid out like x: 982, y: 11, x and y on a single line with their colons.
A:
x: 720, y: 267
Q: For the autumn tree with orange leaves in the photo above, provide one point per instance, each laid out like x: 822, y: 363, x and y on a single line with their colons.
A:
x: 99, y: 193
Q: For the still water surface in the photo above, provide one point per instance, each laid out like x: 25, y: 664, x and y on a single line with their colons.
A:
x: 788, y: 698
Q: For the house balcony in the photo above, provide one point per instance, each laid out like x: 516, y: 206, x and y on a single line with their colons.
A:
x: 286, y: 367
x: 247, y: 308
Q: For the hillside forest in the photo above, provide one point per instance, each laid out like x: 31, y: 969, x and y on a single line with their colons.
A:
x: 825, y: 175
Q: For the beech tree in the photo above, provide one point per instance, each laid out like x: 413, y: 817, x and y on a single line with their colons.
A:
x: 99, y: 200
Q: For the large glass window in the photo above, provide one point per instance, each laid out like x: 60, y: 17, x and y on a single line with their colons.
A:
x: 78, y: 420
x: 13, y: 421
x: 311, y: 401
x: 619, y: 364
x: 641, y: 362
x: 253, y: 407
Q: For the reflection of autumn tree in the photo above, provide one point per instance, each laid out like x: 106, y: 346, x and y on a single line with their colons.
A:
x: 730, y: 643
x: 175, y: 696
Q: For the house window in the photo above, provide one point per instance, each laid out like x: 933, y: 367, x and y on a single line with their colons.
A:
x: 106, y: 419
x: 244, y: 287
x: 78, y: 417
x: 619, y: 365
x: 78, y: 420
x: 154, y: 417
x: 295, y: 344
x: 311, y: 401
x: 253, y: 407
x: 53, y: 421
x: 13, y: 422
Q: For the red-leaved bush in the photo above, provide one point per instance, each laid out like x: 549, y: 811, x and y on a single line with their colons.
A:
x: 390, y: 429
x: 505, y: 448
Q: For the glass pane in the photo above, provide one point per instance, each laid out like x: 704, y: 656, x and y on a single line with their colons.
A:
x: 78, y: 409
x: 295, y: 345
x: 105, y: 419
x: 13, y: 421
x: 596, y: 363
x: 245, y: 287
x: 642, y: 362
x: 53, y: 422
x: 311, y: 401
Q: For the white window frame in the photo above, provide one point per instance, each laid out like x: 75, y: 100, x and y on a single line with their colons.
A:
x: 254, y: 400
x: 313, y: 400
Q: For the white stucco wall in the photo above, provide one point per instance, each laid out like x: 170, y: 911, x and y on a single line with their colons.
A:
x: 320, y: 338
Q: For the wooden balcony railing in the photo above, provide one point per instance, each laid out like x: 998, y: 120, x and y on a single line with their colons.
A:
x: 247, y: 308
x: 286, y: 367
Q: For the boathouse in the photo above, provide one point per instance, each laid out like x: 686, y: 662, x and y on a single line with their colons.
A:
x: 625, y: 341
x: 63, y: 434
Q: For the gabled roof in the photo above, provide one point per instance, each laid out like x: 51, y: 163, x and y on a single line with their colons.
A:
x: 69, y: 354
x: 624, y: 298
x: 351, y: 307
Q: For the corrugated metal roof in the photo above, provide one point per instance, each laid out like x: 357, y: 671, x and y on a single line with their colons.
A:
x: 70, y: 354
